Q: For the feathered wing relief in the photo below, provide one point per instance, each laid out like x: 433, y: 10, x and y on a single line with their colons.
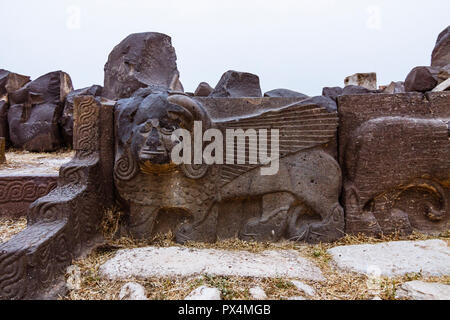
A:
x: 300, y: 127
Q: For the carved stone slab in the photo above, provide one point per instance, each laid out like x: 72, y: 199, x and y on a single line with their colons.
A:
x: 394, y: 152
x: 17, y: 193
x: 207, y: 202
x: 65, y: 223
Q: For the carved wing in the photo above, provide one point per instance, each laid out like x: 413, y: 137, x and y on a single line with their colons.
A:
x: 300, y: 127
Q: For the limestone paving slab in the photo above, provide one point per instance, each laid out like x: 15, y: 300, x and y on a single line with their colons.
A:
x: 430, y: 258
x: 177, y: 261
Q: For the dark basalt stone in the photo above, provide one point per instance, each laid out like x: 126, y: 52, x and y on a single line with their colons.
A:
x: 350, y: 90
x: 10, y: 82
x: 321, y: 101
x: 66, y: 120
x: 332, y: 92
x: 203, y: 90
x: 235, y: 84
x: 4, y: 132
x: 209, y: 202
x: 422, y: 79
x: 441, y: 52
x: 140, y: 60
x: 285, y: 93
x: 394, y: 152
x: 35, y: 110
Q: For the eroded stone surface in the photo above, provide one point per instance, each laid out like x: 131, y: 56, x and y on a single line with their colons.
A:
x: 366, y: 80
x: 441, y: 52
x: 301, y: 286
x: 140, y: 60
x: 419, y: 290
x: 203, y: 90
x: 35, y: 110
x: 285, y: 93
x: 422, y: 79
x: 234, y: 84
x: 179, y: 261
x: 258, y: 293
x: 430, y: 258
x: 132, y: 291
x: 204, y: 293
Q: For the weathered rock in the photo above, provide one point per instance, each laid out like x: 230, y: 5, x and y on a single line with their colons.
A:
x: 235, y: 84
x: 321, y: 101
x: 285, y: 93
x: 308, y: 290
x: 441, y: 52
x: 2, y: 150
x: 351, y: 89
x: 35, y: 110
x: 444, y: 74
x: 394, y: 152
x: 366, y: 80
x: 10, y: 82
x: 66, y: 119
x: 419, y: 290
x: 395, y: 87
x: 430, y: 258
x: 140, y: 60
x: 179, y: 261
x: 203, y: 90
x: 4, y: 131
x: 332, y: 92
x: 204, y: 293
x: 258, y: 293
x: 133, y: 291
x: 422, y: 79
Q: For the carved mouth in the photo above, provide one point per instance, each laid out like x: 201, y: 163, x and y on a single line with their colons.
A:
x: 147, y: 154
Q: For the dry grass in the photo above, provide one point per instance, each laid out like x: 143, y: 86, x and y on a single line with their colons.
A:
x: 19, y: 159
x: 11, y: 227
x: 337, y: 286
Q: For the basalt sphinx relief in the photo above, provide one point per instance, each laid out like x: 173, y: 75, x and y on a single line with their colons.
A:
x: 300, y: 202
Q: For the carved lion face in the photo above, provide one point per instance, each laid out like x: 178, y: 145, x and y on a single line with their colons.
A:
x: 146, y: 123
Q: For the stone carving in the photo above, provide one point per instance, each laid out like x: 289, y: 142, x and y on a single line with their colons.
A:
x: 299, y: 203
x: 17, y: 193
x: 35, y: 110
x: 366, y: 80
x: 140, y: 60
x: 65, y: 223
x: 235, y: 84
x: 394, y: 154
x: 441, y: 53
x: 66, y: 120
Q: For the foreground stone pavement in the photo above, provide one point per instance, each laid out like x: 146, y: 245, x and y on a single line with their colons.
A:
x: 174, y: 261
x: 430, y: 258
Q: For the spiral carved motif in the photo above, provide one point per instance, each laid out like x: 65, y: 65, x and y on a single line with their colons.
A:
x: 125, y: 167
x: 85, y: 130
x: 23, y: 191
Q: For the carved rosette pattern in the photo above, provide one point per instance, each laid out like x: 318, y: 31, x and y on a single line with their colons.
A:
x: 64, y: 223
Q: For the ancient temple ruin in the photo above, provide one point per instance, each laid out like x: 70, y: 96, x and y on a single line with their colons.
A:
x: 360, y: 159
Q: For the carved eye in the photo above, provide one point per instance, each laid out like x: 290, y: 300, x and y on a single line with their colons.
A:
x: 168, y: 130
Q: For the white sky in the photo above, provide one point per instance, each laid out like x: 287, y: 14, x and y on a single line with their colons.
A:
x: 295, y: 44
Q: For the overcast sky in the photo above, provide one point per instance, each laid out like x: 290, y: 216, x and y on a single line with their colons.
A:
x: 295, y: 44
